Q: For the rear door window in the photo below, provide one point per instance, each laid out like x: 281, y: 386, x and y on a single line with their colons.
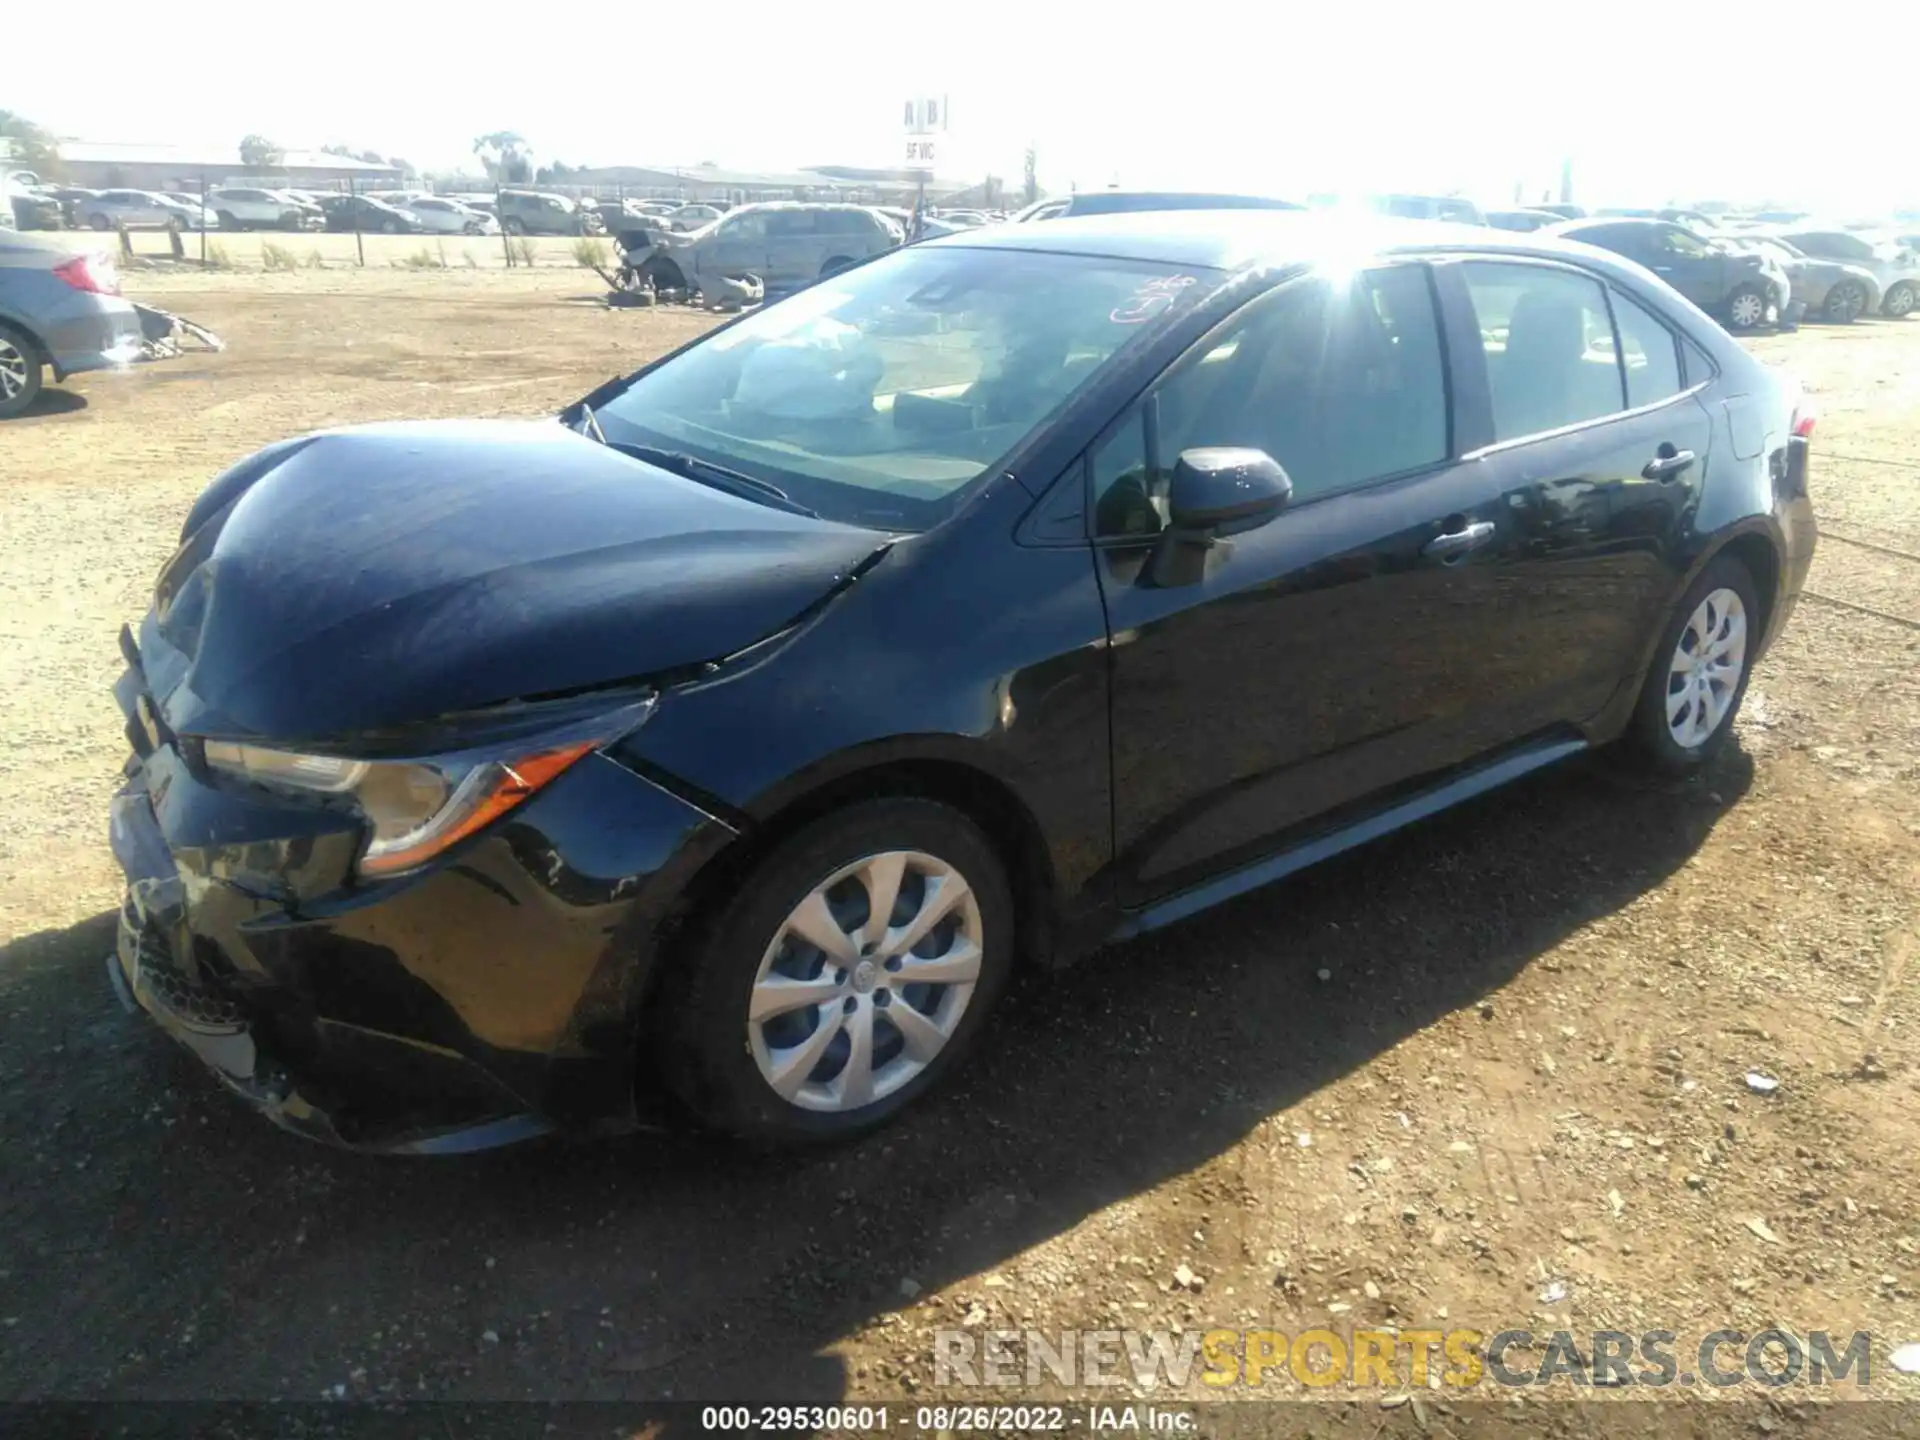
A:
x: 1548, y: 340
x: 1648, y: 353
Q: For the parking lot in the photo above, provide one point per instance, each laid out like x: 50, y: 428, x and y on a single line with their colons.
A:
x: 1495, y: 1058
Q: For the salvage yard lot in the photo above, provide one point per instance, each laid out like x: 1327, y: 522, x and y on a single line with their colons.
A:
x: 1503, y: 1049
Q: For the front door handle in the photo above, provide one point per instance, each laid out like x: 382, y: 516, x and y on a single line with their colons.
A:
x: 1456, y: 543
x: 1667, y: 463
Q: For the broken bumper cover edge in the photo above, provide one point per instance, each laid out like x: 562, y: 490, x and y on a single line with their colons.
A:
x: 237, y: 1046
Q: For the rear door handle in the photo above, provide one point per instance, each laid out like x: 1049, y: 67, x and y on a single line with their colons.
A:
x: 1667, y: 464
x: 1458, y: 542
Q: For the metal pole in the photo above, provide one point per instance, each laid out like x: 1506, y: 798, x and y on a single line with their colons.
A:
x: 203, y: 219
x: 353, y: 208
x: 506, y: 240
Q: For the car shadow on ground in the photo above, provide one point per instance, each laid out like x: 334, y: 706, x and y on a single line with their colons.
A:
x: 52, y: 401
x: 167, y: 1243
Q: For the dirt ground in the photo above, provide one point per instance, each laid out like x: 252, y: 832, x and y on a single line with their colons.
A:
x: 1498, y: 1058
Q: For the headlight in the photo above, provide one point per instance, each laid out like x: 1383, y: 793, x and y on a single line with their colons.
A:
x: 417, y: 808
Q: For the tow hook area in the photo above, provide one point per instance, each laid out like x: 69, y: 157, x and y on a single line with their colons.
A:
x: 122, y: 991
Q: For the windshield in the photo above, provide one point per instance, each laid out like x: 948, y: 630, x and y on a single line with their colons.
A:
x: 879, y: 397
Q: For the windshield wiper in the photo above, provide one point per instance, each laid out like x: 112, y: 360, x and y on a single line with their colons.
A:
x: 581, y: 417
x: 705, y: 472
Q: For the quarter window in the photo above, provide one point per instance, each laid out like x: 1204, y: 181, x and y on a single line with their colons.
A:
x: 1647, y: 352
x: 1549, y: 347
x: 1340, y: 382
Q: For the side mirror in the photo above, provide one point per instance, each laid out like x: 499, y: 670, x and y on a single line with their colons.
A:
x: 1220, y: 487
x: 1215, y: 491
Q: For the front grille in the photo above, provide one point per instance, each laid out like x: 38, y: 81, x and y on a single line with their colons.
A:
x: 196, y: 1001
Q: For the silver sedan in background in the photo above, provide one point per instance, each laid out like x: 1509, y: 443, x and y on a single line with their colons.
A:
x: 143, y: 210
x: 59, y: 307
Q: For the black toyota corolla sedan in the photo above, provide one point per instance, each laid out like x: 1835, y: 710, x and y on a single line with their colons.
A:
x: 718, y: 749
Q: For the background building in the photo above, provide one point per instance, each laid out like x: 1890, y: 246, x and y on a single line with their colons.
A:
x: 182, y: 167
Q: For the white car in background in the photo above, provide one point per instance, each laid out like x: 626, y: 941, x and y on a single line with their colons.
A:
x: 444, y: 216
x: 1896, y: 269
x: 242, y: 208
x: 692, y: 217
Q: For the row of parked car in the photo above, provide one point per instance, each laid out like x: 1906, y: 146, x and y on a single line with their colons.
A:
x: 36, y: 206
x: 1745, y: 269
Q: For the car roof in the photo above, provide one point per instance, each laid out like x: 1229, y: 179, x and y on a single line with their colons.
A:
x: 1617, y: 222
x: 1246, y: 239
x: 799, y: 205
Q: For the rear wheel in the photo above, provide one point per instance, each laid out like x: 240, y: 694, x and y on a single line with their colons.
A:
x: 1699, y: 673
x: 513, y: 225
x: 1846, y: 302
x: 834, y: 266
x: 390, y: 226
x: 228, y: 220
x: 1899, y: 301
x: 851, y: 970
x: 20, y: 371
x: 99, y: 222
x: 1746, y: 307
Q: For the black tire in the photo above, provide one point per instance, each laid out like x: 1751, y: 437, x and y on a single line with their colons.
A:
x: 99, y: 222
x: 390, y: 226
x: 1734, y: 307
x: 17, y: 350
x: 703, y: 1018
x: 835, y: 266
x: 1650, y: 734
x: 514, y: 225
x: 472, y: 227
x: 1845, y: 303
x: 1898, y: 302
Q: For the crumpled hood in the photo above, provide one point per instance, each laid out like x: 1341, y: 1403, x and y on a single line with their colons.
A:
x: 386, y: 574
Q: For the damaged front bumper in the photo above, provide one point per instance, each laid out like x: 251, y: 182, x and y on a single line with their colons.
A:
x: 472, y: 1004
x: 154, y: 968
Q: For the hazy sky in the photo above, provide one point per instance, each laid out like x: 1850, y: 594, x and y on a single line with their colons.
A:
x: 1654, y: 101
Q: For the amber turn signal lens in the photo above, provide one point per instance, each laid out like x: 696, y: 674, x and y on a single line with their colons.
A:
x: 486, y: 793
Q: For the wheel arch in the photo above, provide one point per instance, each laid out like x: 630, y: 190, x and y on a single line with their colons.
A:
x: 1760, y: 554
x: 985, y: 799
x: 19, y: 326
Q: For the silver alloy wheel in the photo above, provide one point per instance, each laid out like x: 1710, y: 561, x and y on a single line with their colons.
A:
x: 1704, y: 673
x: 1846, y: 301
x: 14, y: 373
x: 1748, y: 309
x: 1899, y: 302
x: 865, y: 981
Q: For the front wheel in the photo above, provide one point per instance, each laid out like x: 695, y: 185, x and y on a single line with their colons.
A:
x: 99, y: 222
x: 1899, y: 302
x: 20, y: 372
x: 834, y: 266
x: 1746, y: 307
x: 1699, y: 672
x: 1846, y: 302
x: 851, y: 970
x: 389, y: 226
x: 513, y: 225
